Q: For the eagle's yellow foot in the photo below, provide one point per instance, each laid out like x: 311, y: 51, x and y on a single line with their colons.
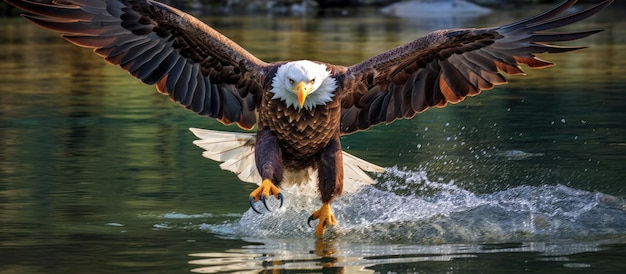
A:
x: 325, y: 214
x: 263, y: 192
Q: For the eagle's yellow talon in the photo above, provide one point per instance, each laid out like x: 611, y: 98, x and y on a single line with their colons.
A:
x: 263, y: 192
x: 326, y: 217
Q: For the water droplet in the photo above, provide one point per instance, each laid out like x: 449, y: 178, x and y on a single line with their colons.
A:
x: 576, y: 265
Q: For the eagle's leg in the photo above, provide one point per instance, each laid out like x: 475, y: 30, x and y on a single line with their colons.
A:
x: 326, y: 217
x: 330, y: 172
x: 270, y: 167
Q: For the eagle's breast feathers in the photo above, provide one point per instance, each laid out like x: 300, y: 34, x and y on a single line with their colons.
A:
x: 301, y: 131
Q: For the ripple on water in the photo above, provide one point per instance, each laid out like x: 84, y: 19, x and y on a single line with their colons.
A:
x: 406, y: 218
x: 436, y: 212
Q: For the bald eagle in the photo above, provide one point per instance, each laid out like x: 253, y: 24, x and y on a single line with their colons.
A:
x: 300, y: 108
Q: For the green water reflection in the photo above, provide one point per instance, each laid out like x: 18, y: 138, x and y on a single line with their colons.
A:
x: 98, y: 173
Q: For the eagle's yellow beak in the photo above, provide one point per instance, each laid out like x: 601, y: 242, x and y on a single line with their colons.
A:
x: 302, y: 90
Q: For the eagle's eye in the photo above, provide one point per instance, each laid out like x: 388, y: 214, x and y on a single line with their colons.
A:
x: 291, y: 81
x: 313, y: 81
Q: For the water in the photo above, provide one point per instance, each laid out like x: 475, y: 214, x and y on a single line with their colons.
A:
x: 99, y: 175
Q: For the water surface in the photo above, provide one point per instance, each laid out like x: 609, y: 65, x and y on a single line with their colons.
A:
x: 99, y: 175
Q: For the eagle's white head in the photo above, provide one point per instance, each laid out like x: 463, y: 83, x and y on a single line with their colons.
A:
x: 303, y: 84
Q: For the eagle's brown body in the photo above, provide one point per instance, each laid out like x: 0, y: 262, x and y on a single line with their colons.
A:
x: 302, y: 139
x: 211, y: 75
x: 301, y: 134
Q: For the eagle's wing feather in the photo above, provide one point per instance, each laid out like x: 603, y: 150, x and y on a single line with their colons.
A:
x: 449, y: 65
x: 186, y: 59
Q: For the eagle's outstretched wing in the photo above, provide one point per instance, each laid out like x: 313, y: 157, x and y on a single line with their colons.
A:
x: 448, y: 65
x: 186, y: 59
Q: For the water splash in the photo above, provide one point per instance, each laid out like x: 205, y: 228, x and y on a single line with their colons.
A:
x: 406, y: 206
x: 517, y: 155
x: 408, y: 218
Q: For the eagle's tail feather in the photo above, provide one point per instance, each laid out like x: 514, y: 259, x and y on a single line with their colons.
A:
x: 236, y: 152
